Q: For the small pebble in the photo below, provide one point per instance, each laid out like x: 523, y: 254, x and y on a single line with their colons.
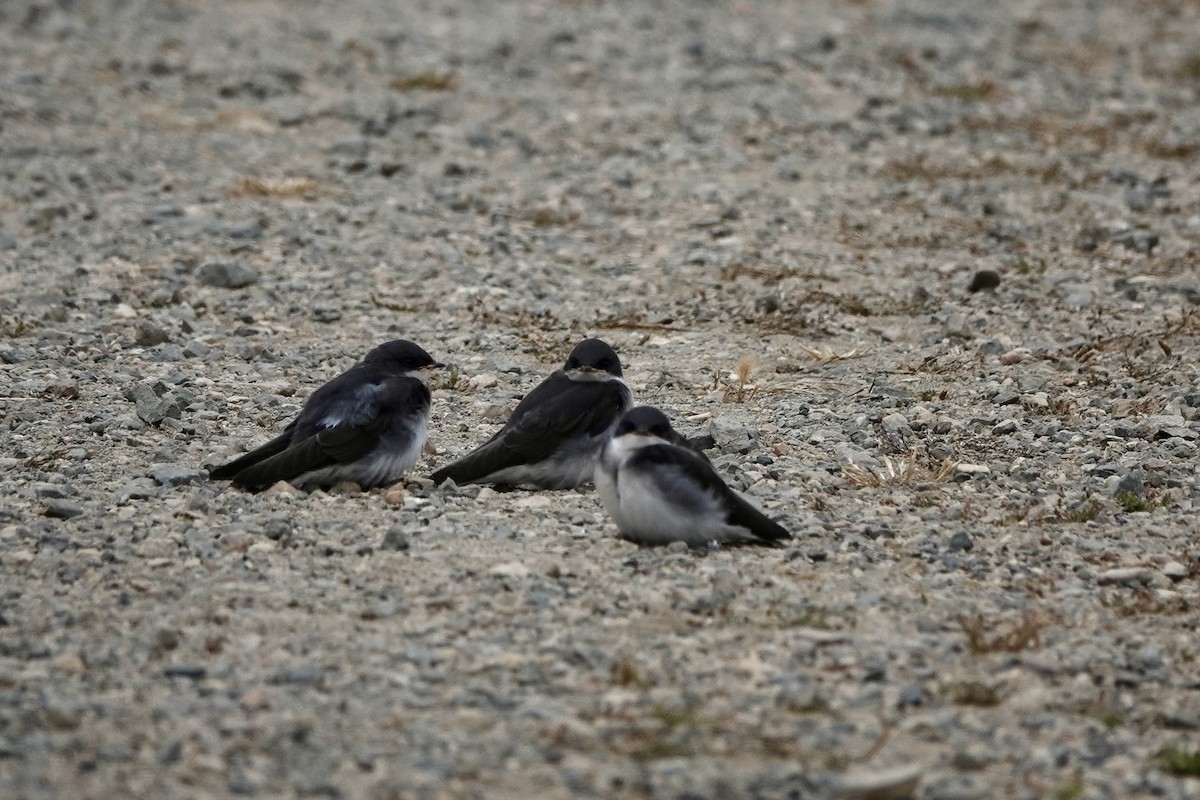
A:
x: 1012, y: 357
x: 394, y: 539
x: 1005, y: 427
x: 1124, y: 576
x: 984, y: 279
x: 1175, y: 571
x: 147, y: 334
x: 192, y: 671
x: 62, y: 509
x: 959, y: 542
x: 278, y: 528
x: 226, y: 274
x: 896, y: 783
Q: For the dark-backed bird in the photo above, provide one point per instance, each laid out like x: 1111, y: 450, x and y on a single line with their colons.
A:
x: 555, y: 434
x: 367, y: 425
x: 658, y: 490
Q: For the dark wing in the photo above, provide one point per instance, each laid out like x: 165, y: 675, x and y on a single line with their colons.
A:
x: 349, y: 398
x: 319, y: 404
x: 271, y: 448
x: 698, y: 471
x: 373, y: 409
x: 558, y: 409
x: 327, y: 448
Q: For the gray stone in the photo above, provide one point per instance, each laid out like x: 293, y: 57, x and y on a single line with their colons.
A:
x: 1030, y: 382
x: 896, y: 783
x: 61, y: 713
x: 51, y: 490
x: 731, y: 435
x: 1129, y: 576
x: 991, y: 347
x: 1175, y: 571
x: 153, y: 404
x: 1130, y: 483
x: 190, y: 671
x: 911, y: 695
x: 226, y: 274
x: 984, y: 279
x: 1006, y: 397
x: 62, y: 509
x: 278, y: 528
x: 956, y: 326
x: 959, y: 542
x: 171, y: 476
x: 1139, y: 241
x: 196, y: 349
x: 1077, y: 296
x: 395, y: 539
x: 138, y: 489
x: 147, y: 334
x: 1005, y: 427
x: 1176, y: 431
x: 959, y: 787
x: 847, y: 453
x: 898, y: 432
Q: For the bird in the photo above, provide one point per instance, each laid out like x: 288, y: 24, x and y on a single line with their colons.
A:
x: 555, y: 433
x: 659, y: 490
x: 367, y: 425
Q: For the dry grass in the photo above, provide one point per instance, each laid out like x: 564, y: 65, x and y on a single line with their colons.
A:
x: 1165, y: 148
x: 268, y: 187
x: 551, y: 218
x: 1180, y: 760
x: 923, y: 167
x: 625, y: 672
x: 979, y: 90
x: 425, y: 82
x: 745, y: 389
x: 974, y: 693
x: 901, y: 472
x: 15, y: 325
x: 248, y: 120
x: 986, y: 636
x: 827, y: 355
x: 1142, y: 602
x: 736, y: 385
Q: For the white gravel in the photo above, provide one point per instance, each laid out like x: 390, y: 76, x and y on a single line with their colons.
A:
x: 207, y: 210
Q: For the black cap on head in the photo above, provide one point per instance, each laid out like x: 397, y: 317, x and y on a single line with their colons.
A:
x: 594, y: 354
x: 400, y: 354
x: 646, y: 419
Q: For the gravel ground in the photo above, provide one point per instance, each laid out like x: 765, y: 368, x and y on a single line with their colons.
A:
x: 777, y: 212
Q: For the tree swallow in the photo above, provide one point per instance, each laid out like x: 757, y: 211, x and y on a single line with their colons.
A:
x: 367, y: 425
x: 555, y: 434
x: 658, y: 490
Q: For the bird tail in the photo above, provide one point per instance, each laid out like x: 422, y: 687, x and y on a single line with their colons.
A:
x: 226, y: 472
x: 476, y: 465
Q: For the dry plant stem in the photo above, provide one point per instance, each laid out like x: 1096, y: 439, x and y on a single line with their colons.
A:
x: 1025, y: 634
x: 905, y: 472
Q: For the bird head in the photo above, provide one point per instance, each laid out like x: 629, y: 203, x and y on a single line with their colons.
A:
x: 402, y: 357
x: 593, y: 358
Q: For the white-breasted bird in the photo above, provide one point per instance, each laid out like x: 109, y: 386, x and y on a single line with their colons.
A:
x: 659, y: 490
x: 367, y: 425
x: 555, y: 433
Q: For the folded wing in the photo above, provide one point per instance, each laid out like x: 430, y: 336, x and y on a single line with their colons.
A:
x: 682, y: 470
x: 556, y: 411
